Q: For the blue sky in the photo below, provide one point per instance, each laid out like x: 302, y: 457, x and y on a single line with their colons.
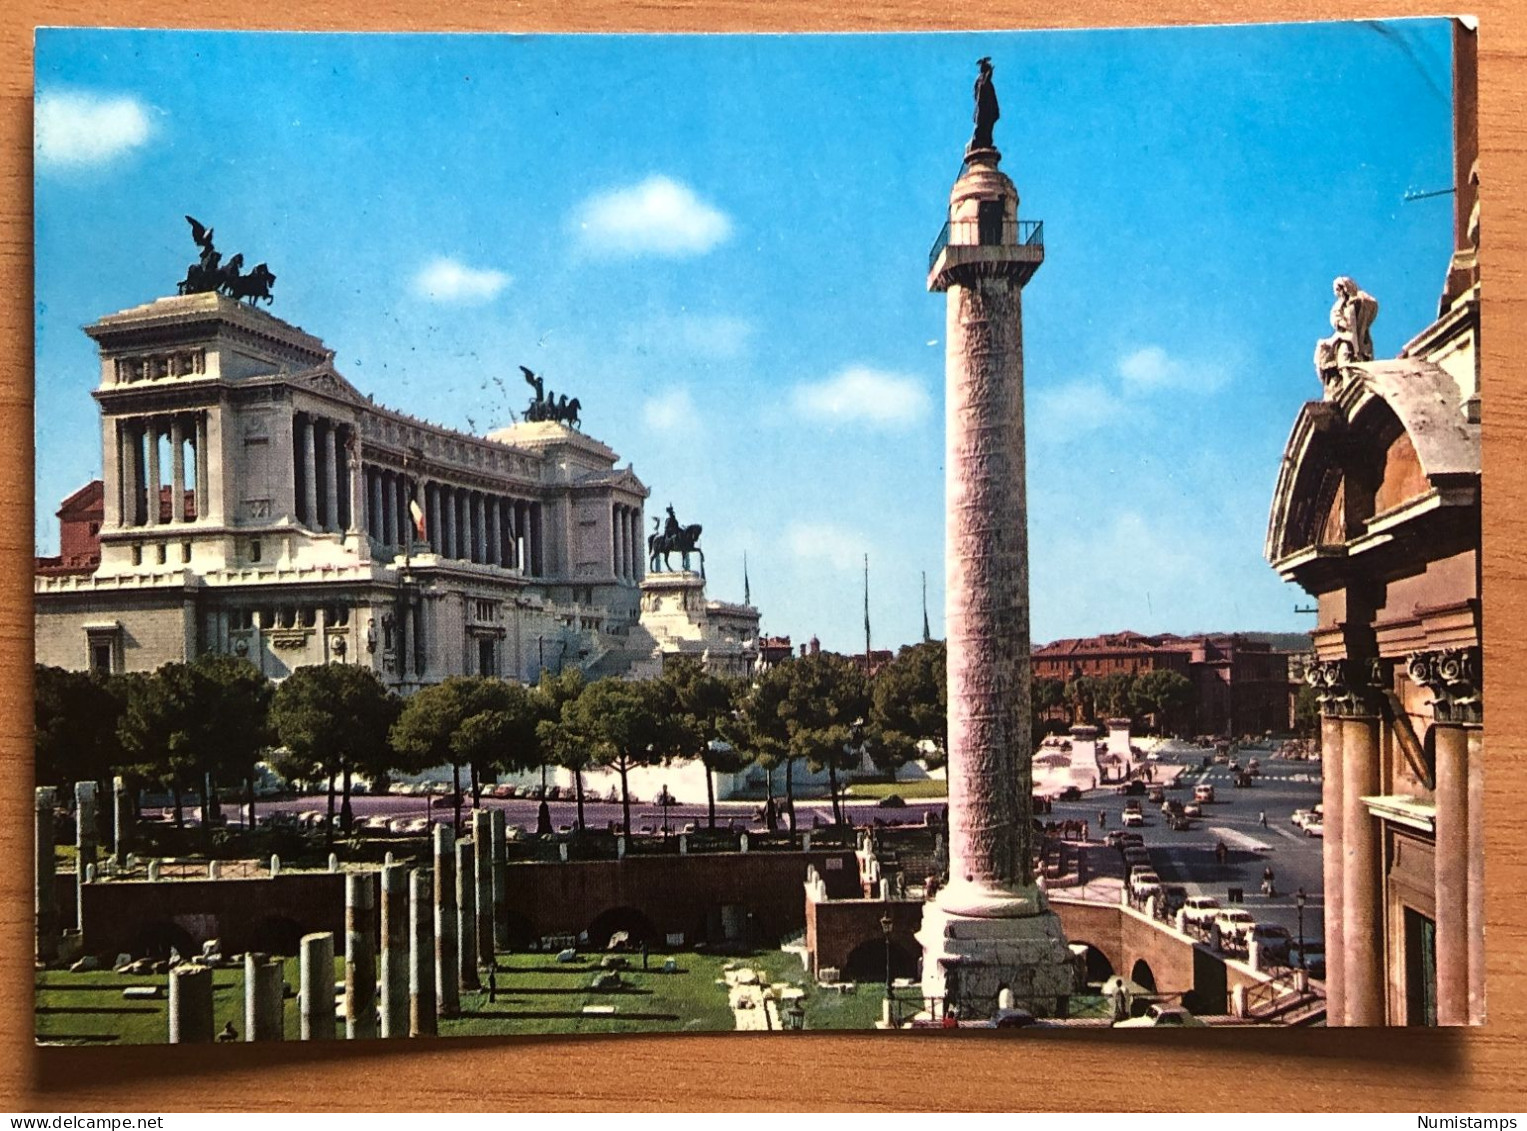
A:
x: 718, y: 243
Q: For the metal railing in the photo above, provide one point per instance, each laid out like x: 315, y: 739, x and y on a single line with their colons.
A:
x: 977, y: 233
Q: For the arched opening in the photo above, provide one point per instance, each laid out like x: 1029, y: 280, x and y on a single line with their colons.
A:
x: 1096, y: 964
x: 276, y: 934
x: 1142, y: 976
x: 638, y: 928
x: 156, y: 939
x: 866, y: 962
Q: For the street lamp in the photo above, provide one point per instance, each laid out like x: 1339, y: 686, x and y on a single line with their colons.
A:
x: 886, y: 923
x: 1299, y: 898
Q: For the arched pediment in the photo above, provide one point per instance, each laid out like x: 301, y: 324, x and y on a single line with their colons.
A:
x: 1389, y: 433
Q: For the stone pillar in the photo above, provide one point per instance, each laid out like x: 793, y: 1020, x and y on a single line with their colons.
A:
x: 1476, y: 870
x: 151, y: 487
x: 203, y: 454
x: 1333, y: 862
x: 360, y: 955
x: 448, y: 548
x: 447, y: 948
x: 121, y: 820
x: 47, y: 879
x: 353, y: 483
x: 374, y: 524
x: 482, y: 841
x: 490, y: 534
x: 466, y: 914
x: 421, y: 957
x: 1452, y: 873
x: 395, y: 951
x: 308, y: 462
x: 264, y: 1006
x: 316, y: 994
x: 191, y: 1005
x: 331, y: 477
x: 500, y: 882
x: 991, y: 924
x: 177, y: 470
x: 1362, y: 879
x: 85, y: 845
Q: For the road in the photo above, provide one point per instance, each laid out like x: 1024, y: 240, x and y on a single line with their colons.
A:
x: 1188, y: 858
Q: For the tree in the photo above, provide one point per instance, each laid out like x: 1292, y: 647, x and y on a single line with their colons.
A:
x: 1306, y: 711
x: 699, y: 721
x: 1115, y: 694
x: 1163, y: 695
x: 556, y: 743
x: 76, y: 715
x: 499, y: 730
x: 766, y: 733
x: 1046, y: 696
x: 335, y: 719
x: 819, y: 703
x: 188, y: 725
x: 910, y: 707
x: 620, y: 723
x: 1081, y: 693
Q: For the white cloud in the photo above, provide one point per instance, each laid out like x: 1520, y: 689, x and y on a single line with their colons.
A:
x: 1150, y: 368
x: 671, y: 411
x: 1081, y: 406
x: 74, y: 130
x: 860, y: 394
x: 446, y: 280
x: 659, y: 216
x: 839, y: 546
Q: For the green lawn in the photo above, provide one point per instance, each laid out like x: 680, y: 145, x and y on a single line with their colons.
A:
x: 906, y: 790
x: 536, y: 995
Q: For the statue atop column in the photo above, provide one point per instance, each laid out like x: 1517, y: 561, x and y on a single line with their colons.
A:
x: 673, y: 539
x: 1352, y: 315
x: 987, y: 113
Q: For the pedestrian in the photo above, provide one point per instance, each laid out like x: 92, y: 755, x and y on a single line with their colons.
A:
x: 1262, y: 816
x: 1102, y: 819
x: 644, y: 954
x: 492, y: 983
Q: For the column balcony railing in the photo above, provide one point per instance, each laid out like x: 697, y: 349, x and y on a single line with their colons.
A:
x: 984, y: 233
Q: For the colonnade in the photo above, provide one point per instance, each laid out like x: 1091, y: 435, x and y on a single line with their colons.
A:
x: 324, y: 478
x: 626, y: 542
x: 140, y: 478
x: 460, y: 523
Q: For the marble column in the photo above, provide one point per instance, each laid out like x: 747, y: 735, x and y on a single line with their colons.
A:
x: 203, y: 477
x: 490, y: 529
x: 357, y: 503
x: 395, y: 950
x: 500, y: 881
x: 331, y: 477
x: 1362, y: 877
x: 317, y: 989
x: 121, y: 820
x: 84, y: 845
x: 190, y: 1011
x: 1333, y: 862
x: 1451, y: 870
x: 374, y: 525
x: 447, y: 949
x: 466, y: 914
x: 1476, y: 872
x: 307, y: 453
x: 264, y: 1007
x: 177, y: 470
x: 432, y: 515
x: 421, y: 953
x: 151, y: 493
x: 47, y: 877
x: 360, y: 955
x: 448, y: 522
x: 482, y: 839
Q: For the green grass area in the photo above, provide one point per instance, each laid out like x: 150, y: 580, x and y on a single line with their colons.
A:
x: 90, y: 1009
x: 919, y: 790
x: 536, y: 996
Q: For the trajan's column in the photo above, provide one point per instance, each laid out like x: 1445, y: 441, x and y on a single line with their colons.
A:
x: 990, y: 929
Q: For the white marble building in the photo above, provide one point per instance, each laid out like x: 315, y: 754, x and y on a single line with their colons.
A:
x: 256, y: 503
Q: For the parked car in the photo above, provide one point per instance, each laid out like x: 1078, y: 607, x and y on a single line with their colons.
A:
x: 1157, y: 1015
x: 1136, y: 855
x: 1155, y: 795
x: 1070, y: 793
x: 1173, y: 896
x: 1134, y: 819
x: 1315, y: 828
x: 1311, y: 958
x: 1273, y: 942
x: 1302, y: 817
x: 1201, y: 908
x: 1192, y: 809
x: 1203, y: 793
x: 1143, y: 882
x: 1233, y: 925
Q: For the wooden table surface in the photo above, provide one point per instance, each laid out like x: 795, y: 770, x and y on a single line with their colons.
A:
x: 1429, y: 1071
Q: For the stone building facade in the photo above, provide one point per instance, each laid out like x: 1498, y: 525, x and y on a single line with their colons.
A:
x: 298, y: 522
x: 1377, y: 515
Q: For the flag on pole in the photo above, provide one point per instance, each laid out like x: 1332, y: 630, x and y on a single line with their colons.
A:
x: 927, y: 635
x: 866, y: 613
x: 418, y: 514
x: 747, y: 590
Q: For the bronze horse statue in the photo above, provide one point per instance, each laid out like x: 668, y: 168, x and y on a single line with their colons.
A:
x: 675, y: 539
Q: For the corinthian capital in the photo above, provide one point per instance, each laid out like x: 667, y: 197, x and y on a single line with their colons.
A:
x: 1453, y: 677
x: 1347, y: 688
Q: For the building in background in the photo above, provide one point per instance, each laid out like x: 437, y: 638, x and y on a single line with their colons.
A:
x: 1377, y: 515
